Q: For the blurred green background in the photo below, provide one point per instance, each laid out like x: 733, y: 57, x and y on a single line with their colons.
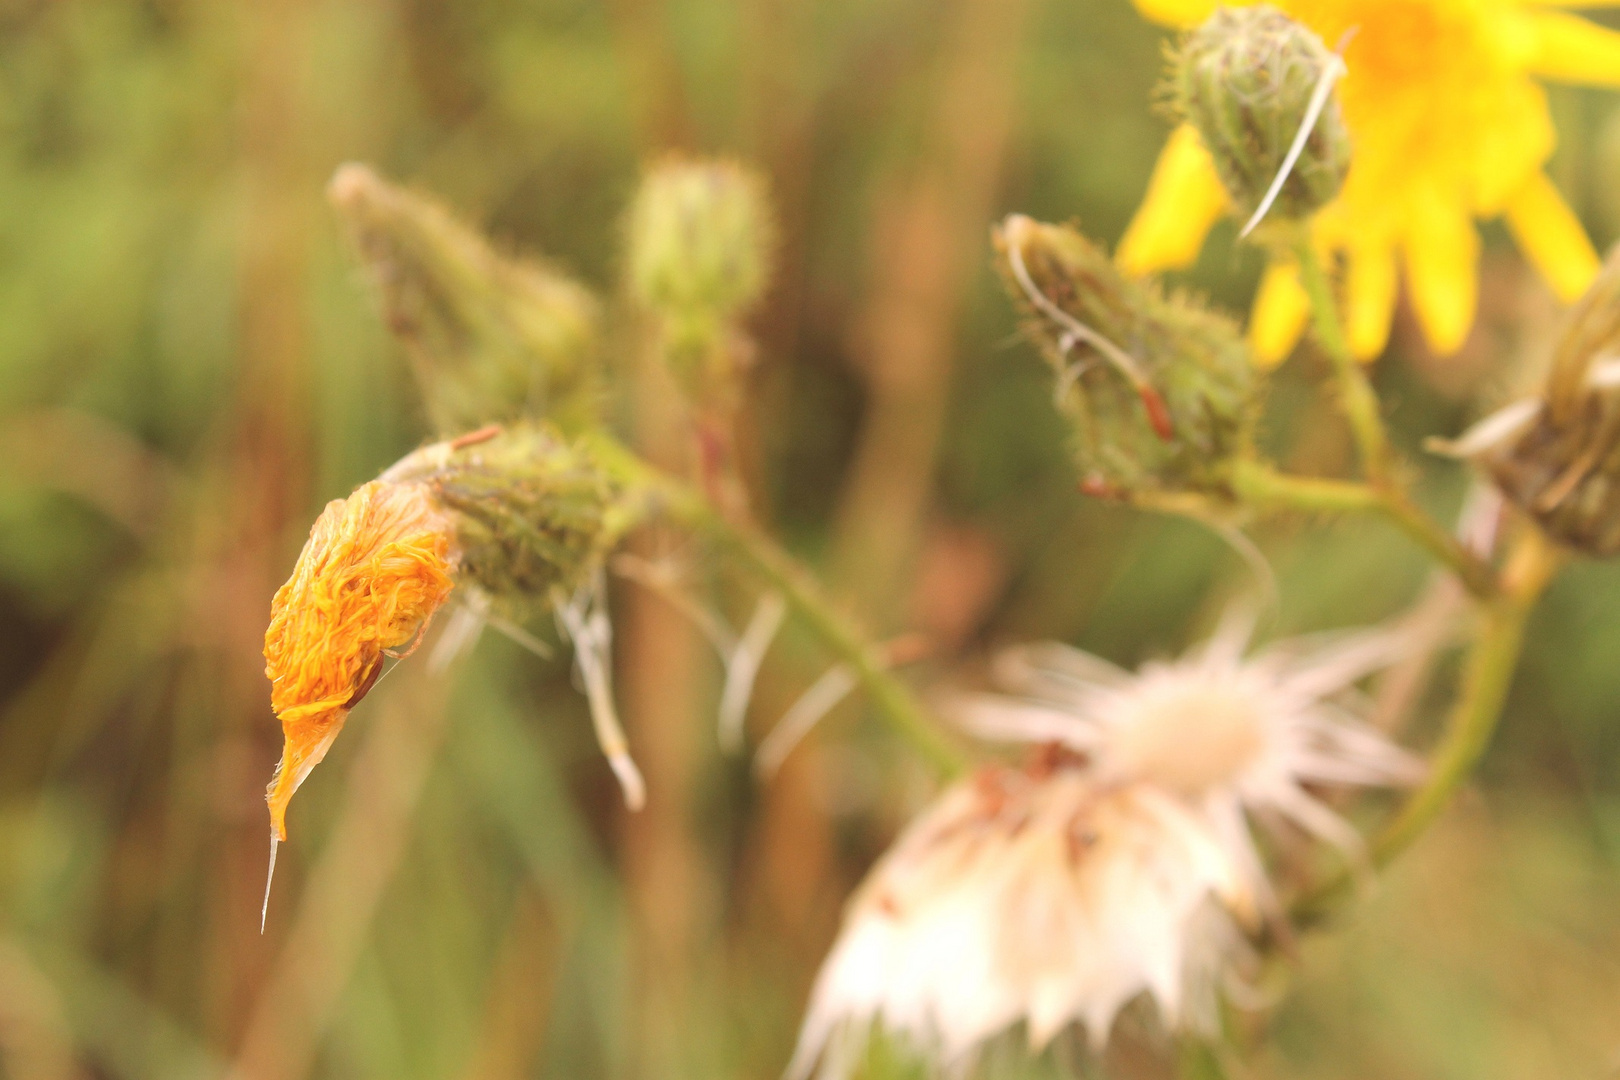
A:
x: 190, y: 366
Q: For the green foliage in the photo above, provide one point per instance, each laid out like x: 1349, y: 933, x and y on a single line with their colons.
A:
x: 169, y: 270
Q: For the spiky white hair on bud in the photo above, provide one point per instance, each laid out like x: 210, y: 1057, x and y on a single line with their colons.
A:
x: 1030, y: 895
x: 1221, y: 732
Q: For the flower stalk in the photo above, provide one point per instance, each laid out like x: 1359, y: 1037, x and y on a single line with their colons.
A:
x: 1263, y: 485
x: 1488, y: 674
x: 1357, y: 398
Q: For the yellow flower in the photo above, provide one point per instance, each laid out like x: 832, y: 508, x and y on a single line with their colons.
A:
x: 1446, y: 124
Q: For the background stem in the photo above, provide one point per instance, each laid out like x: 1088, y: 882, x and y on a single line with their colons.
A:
x: 894, y: 701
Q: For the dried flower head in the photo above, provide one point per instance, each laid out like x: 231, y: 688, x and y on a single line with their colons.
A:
x: 1558, y: 457
x: 516, y: 517
x: 490, y: 337
x: 1253, y: 82
x: 1032, y: 895
x: 376, y: 567
x: 1161, y: 393
x: 1222, y: 733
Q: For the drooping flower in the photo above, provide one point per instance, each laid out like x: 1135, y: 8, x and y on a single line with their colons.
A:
x: 1032, y: 895
x: 376, y: 567
x: 1224, y: 734
x: 515, y: 517
x: 1447, y: 124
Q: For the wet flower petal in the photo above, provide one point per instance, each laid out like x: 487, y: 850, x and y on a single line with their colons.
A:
x: 1184, y: 200
x: 1281, y: 309
x: 1442, y: 256
x: 1572, y: 49
x: 1370, y: 287
x: 1551, y: 237
x: 1176, y: 12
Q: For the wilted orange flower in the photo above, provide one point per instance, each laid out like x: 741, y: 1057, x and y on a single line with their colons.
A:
x: 1447, y: 124
x: 375, y: 568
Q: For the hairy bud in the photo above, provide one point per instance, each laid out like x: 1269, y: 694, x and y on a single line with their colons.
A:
x: 1558, y: 456
x: 490, y: 338
x: 1249, y: 79
x: 533, y: 515
x: 1160, y: 392
x: 700, y: 235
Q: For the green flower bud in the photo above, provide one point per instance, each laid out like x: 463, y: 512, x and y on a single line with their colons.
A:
x: 1247, y: 79
x: 534, y: 515
x: 700, y: 235
x: 1558, y: 456
x: 490, y: 338
x: 1161, y: 392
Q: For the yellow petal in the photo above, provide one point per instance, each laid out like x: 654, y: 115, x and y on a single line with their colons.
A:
x: 1369, y: 299
x: 1184, y: 199
x: 1572, y: 49
x: 1442, y: 256
x: 1551, y: 237
x: 1179, y: 13
x: 1281, y: 307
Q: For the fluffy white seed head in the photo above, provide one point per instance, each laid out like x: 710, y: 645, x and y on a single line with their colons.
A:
x: 1032, y: 896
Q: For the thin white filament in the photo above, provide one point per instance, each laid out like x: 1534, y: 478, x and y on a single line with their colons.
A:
x: 269, y: 876
x: 462, y: 632
x: 833, y: 686
x: 1075, y: 328
x: 519, y: 636
x: 586, y: 622
x: 742, y: 668
x: 662, y: 580
x: 1332, y: 73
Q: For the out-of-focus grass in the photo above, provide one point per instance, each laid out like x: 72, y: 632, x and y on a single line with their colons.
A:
x: 189, y: 367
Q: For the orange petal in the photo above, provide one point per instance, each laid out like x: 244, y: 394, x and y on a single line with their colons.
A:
x: 1552, y: 238
x: 1370, y: 287
x: 1281, y: 308
x: 1572, y: 49
x: 1184, y: 199
x: 1442, y: 258
x: 306, y: 741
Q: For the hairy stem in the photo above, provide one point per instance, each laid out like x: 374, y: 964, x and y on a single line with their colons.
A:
x: 1260, y: 484
x: 1486, y: 678
x: 1356, y: 394
x: 894, y: 701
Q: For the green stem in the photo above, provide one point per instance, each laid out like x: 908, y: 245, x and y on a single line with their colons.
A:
x: 1260, y: 484
x: 1487, y: 677
x: 893, y: 699
x: 1356, y: 394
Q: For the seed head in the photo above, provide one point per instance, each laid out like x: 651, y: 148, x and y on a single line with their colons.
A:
x: 1247, y: 79
x: 1558, y: 456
